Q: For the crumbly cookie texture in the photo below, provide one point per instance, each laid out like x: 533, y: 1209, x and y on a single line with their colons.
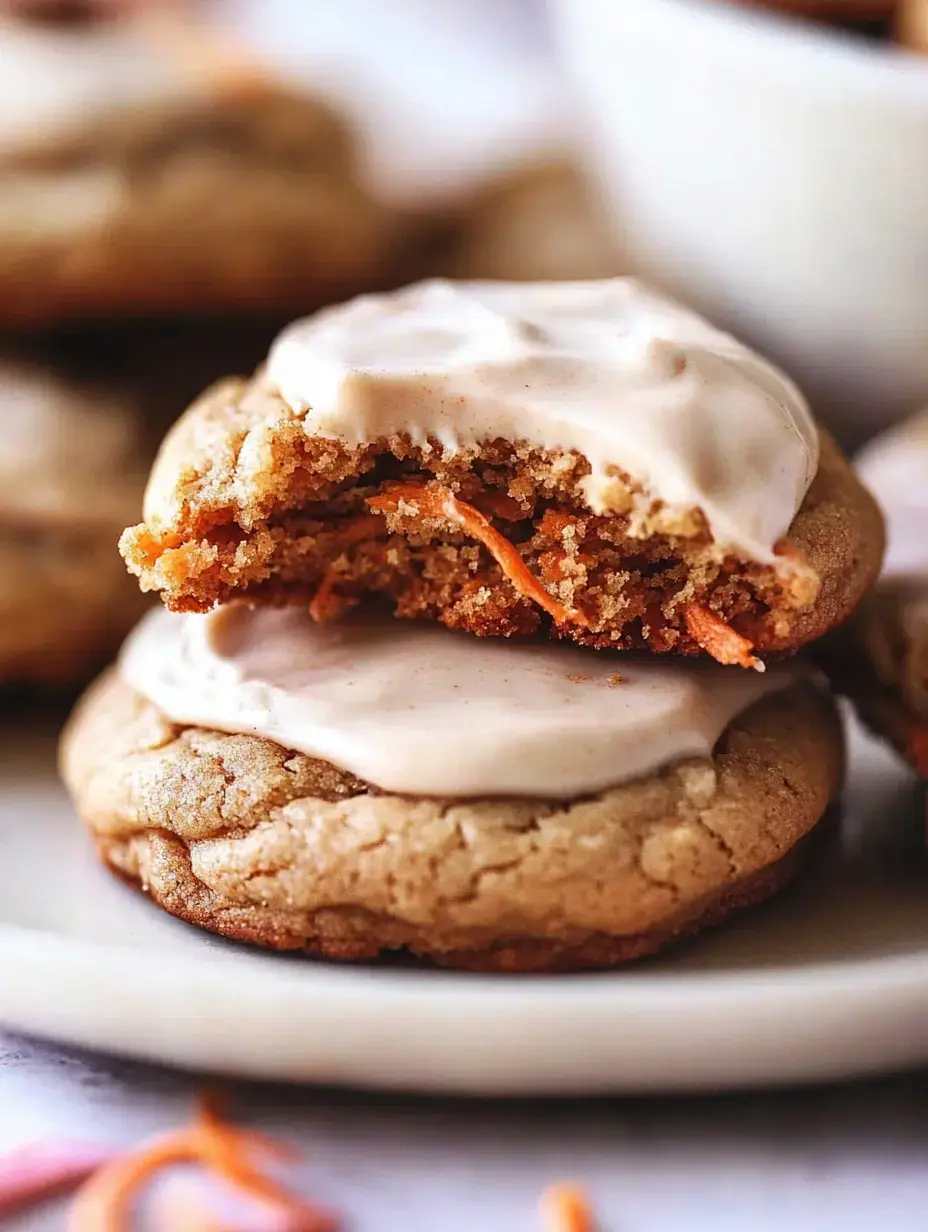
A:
x: 243, y: 503
x: 880, y: 661
x: 245, y: 838
x: 242, y: 202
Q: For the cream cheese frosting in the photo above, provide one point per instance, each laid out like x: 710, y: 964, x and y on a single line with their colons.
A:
x: 895, y: 468
x: 426, y: 711
x: 608, y: 369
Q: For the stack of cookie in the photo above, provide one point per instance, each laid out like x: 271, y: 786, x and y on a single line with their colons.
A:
x: 483, y: 600
x: 146, y: 171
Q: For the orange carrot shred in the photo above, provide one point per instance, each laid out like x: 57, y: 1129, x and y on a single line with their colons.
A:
x: 438, y: 502
x: 324, y: 605
x: 565, y: 1208
x: 103, y: 1204
x: 719, y: 639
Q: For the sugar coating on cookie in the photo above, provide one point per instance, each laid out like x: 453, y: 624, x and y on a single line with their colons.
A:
x: 585, y: 459
x: 423, y: 710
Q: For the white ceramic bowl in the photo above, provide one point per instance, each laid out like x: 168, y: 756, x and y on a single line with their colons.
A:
x: 774, y: 174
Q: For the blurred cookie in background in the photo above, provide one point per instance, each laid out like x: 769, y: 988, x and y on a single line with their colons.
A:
x: 911, y: 24
x: 148, y: 166
x: 880, y: 658
x: 541, y: 222
x: 73, y: 459
x: 905, y: 21
x: 833, y: 10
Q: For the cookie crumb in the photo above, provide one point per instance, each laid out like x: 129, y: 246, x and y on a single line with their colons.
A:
x: 614, y: 680
x: 578, y: 678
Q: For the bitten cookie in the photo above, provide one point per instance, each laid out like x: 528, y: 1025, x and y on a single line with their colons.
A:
x: 880, y: 658
x: 585, y: 459
x: 144, y: 170
x: 718, y: 777
x: 71, y: 469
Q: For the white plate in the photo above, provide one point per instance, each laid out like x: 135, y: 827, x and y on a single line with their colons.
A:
x: 829, y: 981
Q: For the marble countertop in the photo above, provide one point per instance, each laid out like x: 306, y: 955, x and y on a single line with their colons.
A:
x: 837, y: 1159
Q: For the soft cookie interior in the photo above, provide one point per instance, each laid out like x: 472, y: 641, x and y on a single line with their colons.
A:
x: 497, y: 540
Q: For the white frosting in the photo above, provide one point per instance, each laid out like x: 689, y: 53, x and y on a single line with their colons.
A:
x: 55, y: 79
x: 895, y: 468
x: 418, y: 709
x: 609, y: 369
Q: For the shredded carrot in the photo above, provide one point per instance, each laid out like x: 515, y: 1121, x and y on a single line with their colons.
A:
x: 324, y: 605
x: 103, y: 1203
x: 565, y: 1208
x: 918, y: 749
x: 438, y: 502
x: 719, y: 639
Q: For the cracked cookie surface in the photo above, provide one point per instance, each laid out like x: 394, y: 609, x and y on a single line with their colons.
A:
x: 240, y: 836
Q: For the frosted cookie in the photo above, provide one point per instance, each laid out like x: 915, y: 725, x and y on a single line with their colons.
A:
x: 373, y: 786
x: 588, y: 459
x: 881, y: 658
x: 143, y: 169
x: 71, y: 470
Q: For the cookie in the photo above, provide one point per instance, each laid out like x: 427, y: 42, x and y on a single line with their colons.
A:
x: 142, y: 171
x: 832, y: 10
x: 71, y: 468
x: 542, y: 222
x: 247, y: 837
x: 880, y: 658
x: 588, y: 460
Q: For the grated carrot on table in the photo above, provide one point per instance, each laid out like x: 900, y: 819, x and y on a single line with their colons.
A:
x: 104, y: 1203
x: 439, y: 502
x: 719, y: 639
x: 565, y: 1208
